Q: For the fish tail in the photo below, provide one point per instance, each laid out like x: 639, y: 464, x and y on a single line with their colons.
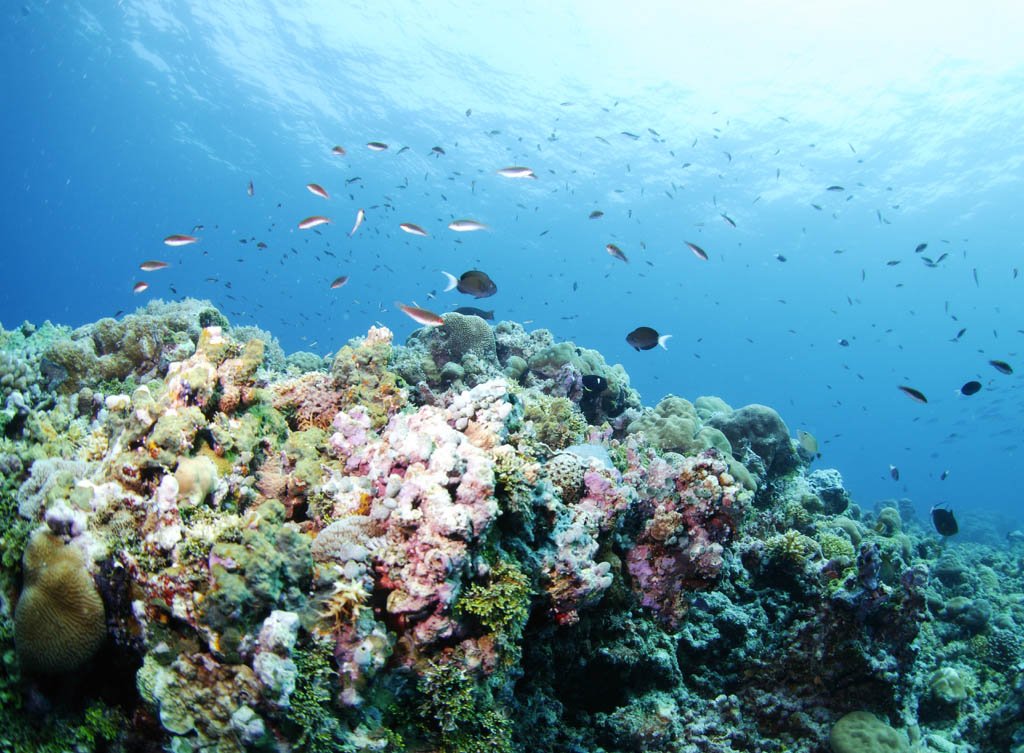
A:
x: 453, y: 281
x: 662, y: 340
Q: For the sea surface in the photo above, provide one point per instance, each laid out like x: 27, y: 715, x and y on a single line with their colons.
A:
x: 811, y: 150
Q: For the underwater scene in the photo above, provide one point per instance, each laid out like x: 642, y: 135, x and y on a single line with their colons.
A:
x: 452, y: 377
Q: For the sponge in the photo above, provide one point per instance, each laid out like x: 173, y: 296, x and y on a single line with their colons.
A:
x: 59, y: 621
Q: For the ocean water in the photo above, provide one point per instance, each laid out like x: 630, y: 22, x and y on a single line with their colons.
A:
x: 124, y: 122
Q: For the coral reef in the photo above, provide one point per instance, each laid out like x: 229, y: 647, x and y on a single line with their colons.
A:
x: 456, y: 545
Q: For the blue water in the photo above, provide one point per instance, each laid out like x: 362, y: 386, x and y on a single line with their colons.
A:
x: 125, y: 122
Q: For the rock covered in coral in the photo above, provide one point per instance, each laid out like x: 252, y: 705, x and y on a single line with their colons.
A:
x: 474, y: 558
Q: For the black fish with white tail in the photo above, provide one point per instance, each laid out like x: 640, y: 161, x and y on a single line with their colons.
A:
x: 645, y: 338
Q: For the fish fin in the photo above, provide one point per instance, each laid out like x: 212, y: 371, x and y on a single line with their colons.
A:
x: 453, y: 281
x: 662, y: 340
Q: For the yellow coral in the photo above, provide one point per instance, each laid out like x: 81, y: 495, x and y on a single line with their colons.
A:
x: 345, y: 602
x: 791, y: 546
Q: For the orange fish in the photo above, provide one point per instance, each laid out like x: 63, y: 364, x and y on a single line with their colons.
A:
x: 152, y: 266
x: 360, y: 216
x: 615, y: 251
x: 139, y: 287
x: 414, y: 229
x: 421, y: 316
x: 338, y: 150
x: 339, y: 282
x: 318, y: 190
x: 180, y: 240
x: 313, y: 221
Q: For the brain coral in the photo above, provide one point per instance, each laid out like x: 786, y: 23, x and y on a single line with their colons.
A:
x: 863, y: 732
x: 59, y: 621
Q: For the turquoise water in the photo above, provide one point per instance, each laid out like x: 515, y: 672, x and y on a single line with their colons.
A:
x: 126, y: 122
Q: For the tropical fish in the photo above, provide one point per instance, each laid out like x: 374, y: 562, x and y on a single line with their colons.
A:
x: 920, y: 247
x: 360, y: 216
x: 943, y: 476
x: 437, y: 150
x: 152, y: 266
x: 892, y: 262
x: 250, y: 190
x: 835, y: 188
x: 465, y: 226
x: 808, y: 443
x: 596, y: 214
x: 944, y: 520
x: 645, y: 338
x: 615, y: 251
x: 517, y: 171
x: 471, y: 311
x: 339, y: 151
x: 699, y: 252
x: 413, y: 229
x: 313, y: 221
x: 894, y: 472
x: 139, y: 287
x: 339, y: 282
x: 421, y: 316
x: 474, y: 283
x: 913, y: 394
x: 970, y: 388
x: 180, y: 240
x: 729, y: 219
x: 844, y: 343
x: 377, y: 146
x: 780, y: 257
x: 1002, y: 367
x: 594, y: 384
x: 318, y: 190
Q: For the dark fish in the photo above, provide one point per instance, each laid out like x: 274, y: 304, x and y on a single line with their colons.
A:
x: 645, y: 338
x: 844, y: 343
x: 594, y: 383
x: 699, y: 252
x: 920, y: 247
x: 835, y: 188
x: 913, y: 394
x: 892, y: 263
x: 471, y: 311
x: 438, y: 150
x: 596, y: 213
x: 945, y: 522
x: 944, y: 475
x: 817, y: 206
x: 780, y: 257
x: 729, y: 219
x: 1002, y: 367
x: 970, y: 388
x: 631, y: 135
x: 894, y: 472
x: 474, y: 283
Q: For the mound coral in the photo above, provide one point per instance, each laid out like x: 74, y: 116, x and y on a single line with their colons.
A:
x: 59, y: 621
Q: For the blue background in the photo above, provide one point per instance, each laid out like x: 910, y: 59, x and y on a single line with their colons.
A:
x: 125, y: 122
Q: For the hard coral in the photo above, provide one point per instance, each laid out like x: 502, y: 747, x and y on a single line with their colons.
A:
x: 59, y: 621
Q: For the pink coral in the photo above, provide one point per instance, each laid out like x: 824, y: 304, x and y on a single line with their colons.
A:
x: 689, y: 518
